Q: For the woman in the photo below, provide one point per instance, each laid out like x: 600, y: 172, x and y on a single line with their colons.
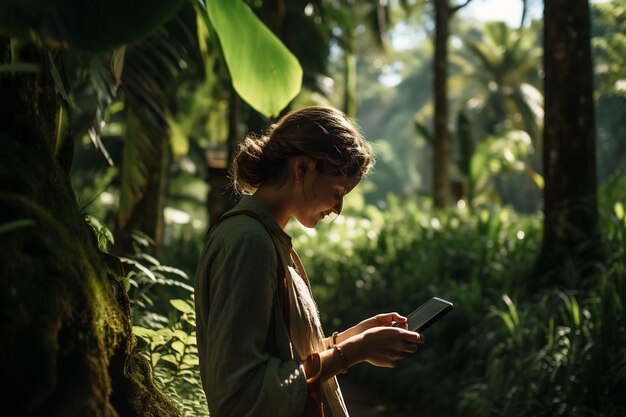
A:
x: 261, y: 348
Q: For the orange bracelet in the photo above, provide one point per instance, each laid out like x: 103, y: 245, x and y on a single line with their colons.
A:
x: 315, y: 356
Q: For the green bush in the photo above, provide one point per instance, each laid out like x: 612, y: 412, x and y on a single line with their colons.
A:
x: 173, y: 354
x: 504, y: 350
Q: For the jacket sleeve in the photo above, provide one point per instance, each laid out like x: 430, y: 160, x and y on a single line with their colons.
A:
x: 240, y: 377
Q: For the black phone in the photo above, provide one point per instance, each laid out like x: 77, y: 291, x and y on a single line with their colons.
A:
x: 427, y: 314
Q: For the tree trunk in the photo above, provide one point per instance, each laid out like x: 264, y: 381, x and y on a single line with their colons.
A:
x: 68, y: 347
x: 441, y: 183
x: 349, y: 96
x: 219, y: 198
x: 570, y: 193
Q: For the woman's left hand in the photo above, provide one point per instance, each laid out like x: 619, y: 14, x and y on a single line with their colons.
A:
x: 385, y: 319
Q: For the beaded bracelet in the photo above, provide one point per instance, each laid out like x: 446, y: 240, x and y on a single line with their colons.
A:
x: 333, y: 339
x: 344, y: 362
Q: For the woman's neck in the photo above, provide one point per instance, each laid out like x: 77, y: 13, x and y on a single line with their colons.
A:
x: 276, y: 200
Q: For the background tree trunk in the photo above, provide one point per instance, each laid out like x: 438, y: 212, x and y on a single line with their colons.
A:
x: 350, y: 72
x: 441, y: 186
x: 68, y: 347
x: 569, y: 157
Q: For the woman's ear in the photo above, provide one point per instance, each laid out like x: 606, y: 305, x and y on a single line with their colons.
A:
x: 302, y: 165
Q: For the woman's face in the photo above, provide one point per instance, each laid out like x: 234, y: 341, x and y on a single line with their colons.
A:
x: 321, y: 194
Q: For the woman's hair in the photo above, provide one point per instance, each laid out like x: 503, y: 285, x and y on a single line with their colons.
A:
x: 322, y: 133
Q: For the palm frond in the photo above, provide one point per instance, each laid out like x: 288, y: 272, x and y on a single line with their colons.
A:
x: 150, y: 70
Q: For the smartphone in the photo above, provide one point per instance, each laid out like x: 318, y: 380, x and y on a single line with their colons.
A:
x: 427, y: 314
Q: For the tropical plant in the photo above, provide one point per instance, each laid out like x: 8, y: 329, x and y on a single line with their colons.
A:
x: 171, y: 349
x: 609, y: 50
x: 496, y: 81
x: 609, y: 43
x: 499, y: 154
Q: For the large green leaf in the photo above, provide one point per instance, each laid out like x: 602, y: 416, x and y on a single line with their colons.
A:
x: 92, y: 26
x: 138, y: 148
x: 263, y: 71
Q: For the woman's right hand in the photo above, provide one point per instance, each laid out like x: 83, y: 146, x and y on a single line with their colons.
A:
x: 383, y: 346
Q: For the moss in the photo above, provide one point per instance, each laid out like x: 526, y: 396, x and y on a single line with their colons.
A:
x: 138, y: 394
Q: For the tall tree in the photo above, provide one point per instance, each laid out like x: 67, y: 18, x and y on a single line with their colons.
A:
x: 570, y: 193
x: 348, y: 19
x: 68, y: 345
x: 441, y: 180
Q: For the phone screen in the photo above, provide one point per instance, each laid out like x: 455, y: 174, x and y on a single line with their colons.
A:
x: 428, y: 313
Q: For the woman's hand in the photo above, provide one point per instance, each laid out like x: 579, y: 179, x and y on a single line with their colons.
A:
x: 379, y: 320
x: 382, y: 346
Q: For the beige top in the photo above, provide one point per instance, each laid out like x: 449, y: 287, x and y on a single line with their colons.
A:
x: 247, y: 361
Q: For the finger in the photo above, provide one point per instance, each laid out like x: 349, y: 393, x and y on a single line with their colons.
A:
x: 412, y: 337
x: 389, y: 319
x: 410, y: 347
x: 398, y: 317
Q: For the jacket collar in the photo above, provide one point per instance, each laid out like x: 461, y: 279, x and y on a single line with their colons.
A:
x: 249, y: 202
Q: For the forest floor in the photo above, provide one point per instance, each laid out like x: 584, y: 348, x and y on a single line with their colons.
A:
x: 365, y: 401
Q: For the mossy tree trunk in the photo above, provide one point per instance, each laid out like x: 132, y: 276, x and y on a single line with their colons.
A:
x: 68, y: 347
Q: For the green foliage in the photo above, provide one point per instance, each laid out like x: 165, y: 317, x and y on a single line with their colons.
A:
x: 609, y: 44
x: 149, y: 284
x: 15, y: 224
x: 504, y: 153
x: 103, y: 233
x: 141, y: 150
x: 263, y: 71
x: 544, y: 360
x: 165, y: 327
x: 397, y: 258
x: 504, y: 350
x: 496, y: 77
x: 173, y: 354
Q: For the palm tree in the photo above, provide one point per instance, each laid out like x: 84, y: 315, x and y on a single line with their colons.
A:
x: 148, y: 86
x: 496, y: 82
x: 499, y: 81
